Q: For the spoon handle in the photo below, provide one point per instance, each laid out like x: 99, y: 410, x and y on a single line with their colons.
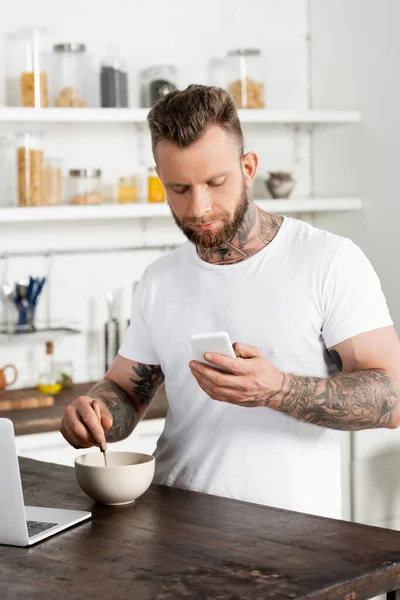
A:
x: 96, y: 409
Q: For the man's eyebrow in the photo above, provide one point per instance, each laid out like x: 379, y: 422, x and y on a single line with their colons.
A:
x: 215, y: 176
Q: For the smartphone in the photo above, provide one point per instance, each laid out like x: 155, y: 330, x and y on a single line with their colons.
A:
x: 218, y: 342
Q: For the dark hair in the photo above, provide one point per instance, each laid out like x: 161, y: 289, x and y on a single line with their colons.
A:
x: 182, y: 117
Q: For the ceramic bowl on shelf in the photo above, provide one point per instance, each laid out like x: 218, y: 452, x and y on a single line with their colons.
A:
x: 125, y: 478
x: 280, y: 184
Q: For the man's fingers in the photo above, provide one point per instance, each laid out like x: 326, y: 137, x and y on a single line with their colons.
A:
x: 92, y: 423
x: 246, y: 351
x: 77, y: 435
x: 218, y: 378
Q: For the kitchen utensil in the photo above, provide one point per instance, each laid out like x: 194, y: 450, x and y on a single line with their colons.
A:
x: 26, y: 403
x: 3, y: 379
x: 103, y: 447
x: 111, y: 332
x: 128, y: 476
x: 27, y: 292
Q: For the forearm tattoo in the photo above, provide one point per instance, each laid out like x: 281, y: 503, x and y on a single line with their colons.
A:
x: 360, y: 400
x: 127, y: 409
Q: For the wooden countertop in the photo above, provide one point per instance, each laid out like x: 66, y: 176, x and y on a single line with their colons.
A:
x: 40, y: 420
x: 174, y: 544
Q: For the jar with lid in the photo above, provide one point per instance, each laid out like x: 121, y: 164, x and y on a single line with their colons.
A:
x: 155, y: 83
x: 85, y: 186
x: 7, y: 171
x: 156, y: 192
x: 113, y: 80
x: 245, y: 72
x: 52, y: 181
x: 69, y: 75
x: 127, y: 190
x: 30, y: 169
x: 26, y: 69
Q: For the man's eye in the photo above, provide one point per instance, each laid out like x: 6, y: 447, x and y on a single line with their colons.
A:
x: 217, y: 183
x: 181, y: 190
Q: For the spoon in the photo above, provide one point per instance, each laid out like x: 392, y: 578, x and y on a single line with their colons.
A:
x: 103, y: 447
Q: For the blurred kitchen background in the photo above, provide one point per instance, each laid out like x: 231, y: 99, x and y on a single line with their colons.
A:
x: 82, y: 212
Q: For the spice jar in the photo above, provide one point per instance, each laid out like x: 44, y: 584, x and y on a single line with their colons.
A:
x: 113, y: 81
x: 30, y: 169
x: 52, y: 182
x: 85, y: 186
x: 156, y: 82
x: 156, y: 192
x: 245, y: 70
x: 26, y: 73
x: 127, y: 190
x: 69, y: 75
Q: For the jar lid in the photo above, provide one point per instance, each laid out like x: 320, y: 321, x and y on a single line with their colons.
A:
x: 130, y: 180
x: 69, y: 48
x: 154, y: 70
x: 85, y: 173
x: 245, y: 52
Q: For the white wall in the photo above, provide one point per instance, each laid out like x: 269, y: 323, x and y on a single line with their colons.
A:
x: 187, y: 35
x: 355, y: 63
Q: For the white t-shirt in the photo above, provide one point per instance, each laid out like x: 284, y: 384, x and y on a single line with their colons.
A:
x: 306, y: 291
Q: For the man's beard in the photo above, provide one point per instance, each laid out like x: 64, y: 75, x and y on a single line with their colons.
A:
x: 222, y: 235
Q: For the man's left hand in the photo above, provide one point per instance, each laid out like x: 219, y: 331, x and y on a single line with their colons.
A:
x: 249, y: 380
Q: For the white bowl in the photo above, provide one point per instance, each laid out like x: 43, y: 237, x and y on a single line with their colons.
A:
x: 127, y: 476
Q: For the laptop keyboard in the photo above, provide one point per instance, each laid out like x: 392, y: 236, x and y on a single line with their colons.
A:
x: 35, y: 527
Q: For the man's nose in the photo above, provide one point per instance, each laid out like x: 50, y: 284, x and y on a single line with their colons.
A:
x: 200, y: 202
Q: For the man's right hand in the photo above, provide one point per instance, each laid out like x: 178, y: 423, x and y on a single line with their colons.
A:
x: 80, y: 425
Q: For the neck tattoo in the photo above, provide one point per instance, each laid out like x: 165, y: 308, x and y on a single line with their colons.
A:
x: 257, y: 231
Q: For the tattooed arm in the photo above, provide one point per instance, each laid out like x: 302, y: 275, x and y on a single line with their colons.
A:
x: 124, y: 394
x: 365, y: 395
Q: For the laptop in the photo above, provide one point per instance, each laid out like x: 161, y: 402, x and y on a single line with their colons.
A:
x: 25, y: 525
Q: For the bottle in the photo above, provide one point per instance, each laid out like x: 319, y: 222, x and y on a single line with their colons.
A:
x: 49, y: 378
x: 156, y: 192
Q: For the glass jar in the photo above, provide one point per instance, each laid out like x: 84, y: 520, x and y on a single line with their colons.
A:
x: 156, y: 192
x: 245, y: 72
x: 69, y: 75
x: 155, y: 83
x: 127, y: 190
x: 7, y: 171
x: 113, y: 80
x: 52, y: 181
x: 85, y: 186
x: 26, y: 72
x: 30, y: 169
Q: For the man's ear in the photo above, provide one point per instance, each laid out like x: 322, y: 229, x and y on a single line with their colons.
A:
x: 249, y: 167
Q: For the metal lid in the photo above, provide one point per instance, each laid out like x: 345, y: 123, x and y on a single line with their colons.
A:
x: 245, y: 52
x: 69, y: 48
x: 89, y: 173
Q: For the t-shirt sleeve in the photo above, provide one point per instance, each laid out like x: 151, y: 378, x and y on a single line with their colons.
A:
x: 352, y: 297
x: 137, y: 344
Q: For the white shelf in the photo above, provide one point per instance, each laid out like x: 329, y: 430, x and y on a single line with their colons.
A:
x: 127, y: 211
x: 139, y: 115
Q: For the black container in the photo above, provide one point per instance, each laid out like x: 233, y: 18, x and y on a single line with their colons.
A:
x: 114, y: 83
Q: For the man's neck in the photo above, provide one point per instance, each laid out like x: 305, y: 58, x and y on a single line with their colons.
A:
x: 257, y: 231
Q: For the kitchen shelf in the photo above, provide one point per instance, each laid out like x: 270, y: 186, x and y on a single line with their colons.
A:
x: 43, y: 333
x: 139, y: 115
x: 145, y: 210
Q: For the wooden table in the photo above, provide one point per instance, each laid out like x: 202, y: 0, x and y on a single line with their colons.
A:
x: 174, y: 544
